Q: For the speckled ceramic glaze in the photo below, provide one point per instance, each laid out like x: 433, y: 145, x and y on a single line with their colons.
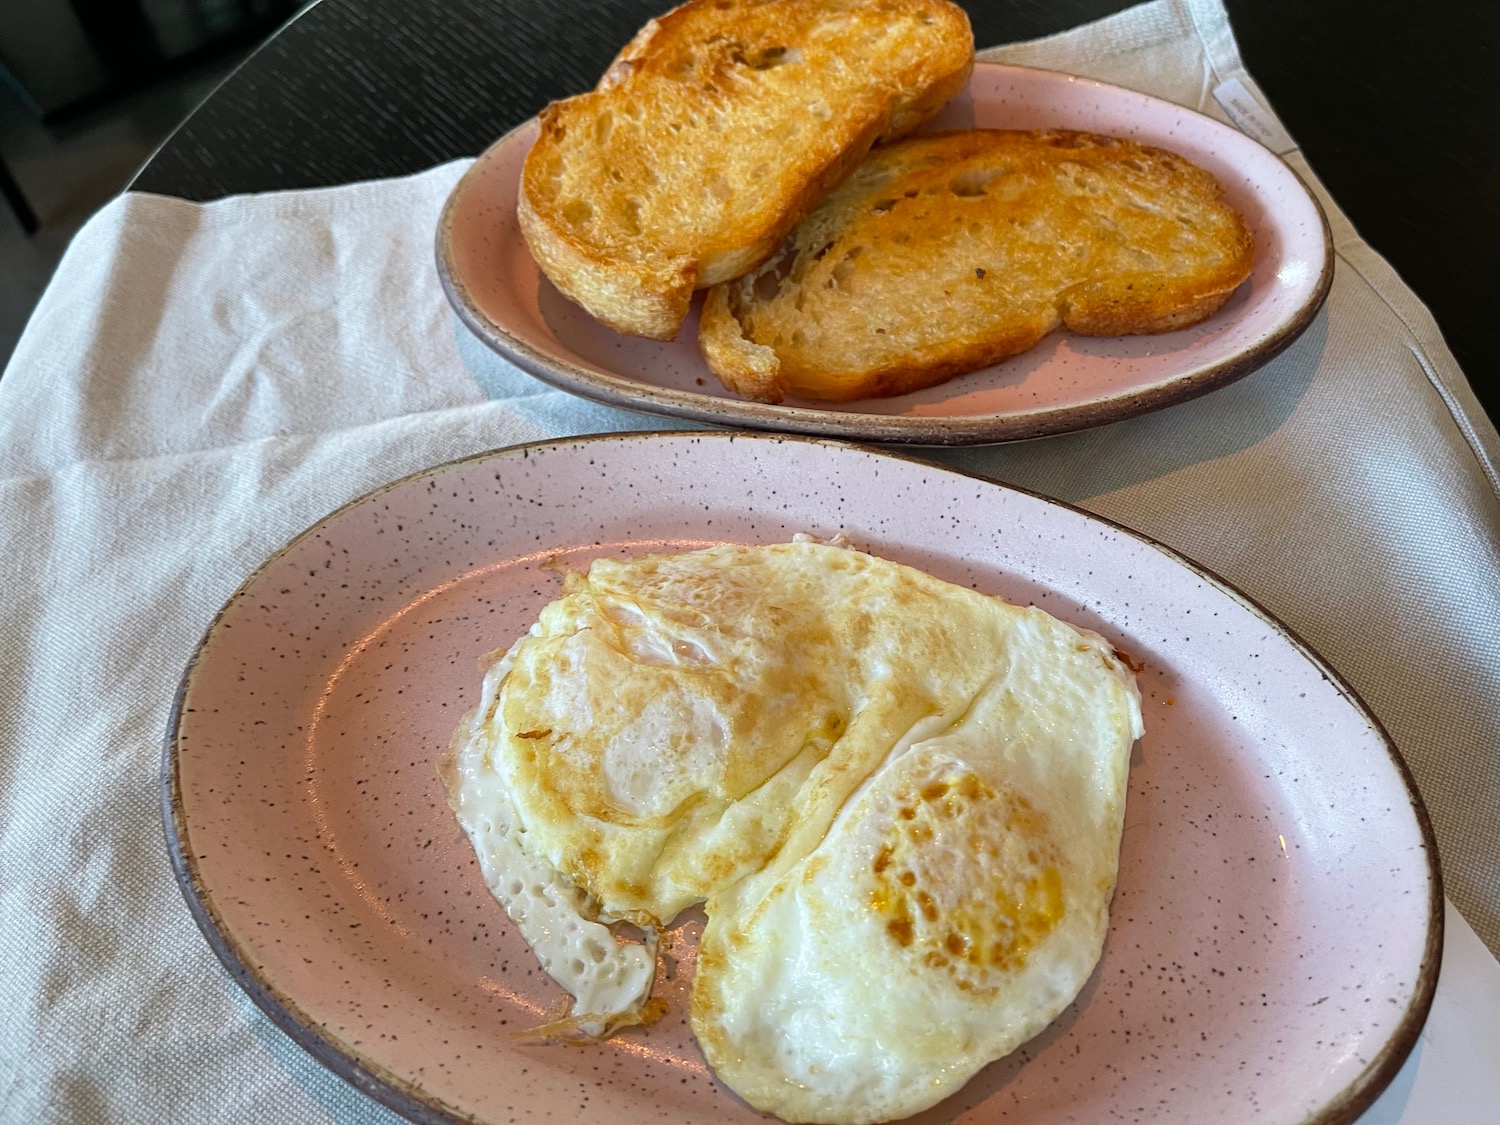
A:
x: 1274, y: 939
x: 1066, y: 383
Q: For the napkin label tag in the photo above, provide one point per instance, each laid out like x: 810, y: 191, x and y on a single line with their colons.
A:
x: 1252, y: 117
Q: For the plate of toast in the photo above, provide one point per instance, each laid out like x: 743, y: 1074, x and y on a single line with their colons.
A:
x: 815, y: 221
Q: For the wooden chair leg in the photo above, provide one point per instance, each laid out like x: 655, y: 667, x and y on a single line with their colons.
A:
x: 17, y: 200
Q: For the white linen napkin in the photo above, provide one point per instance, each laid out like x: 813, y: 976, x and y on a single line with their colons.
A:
x: 200, y: 382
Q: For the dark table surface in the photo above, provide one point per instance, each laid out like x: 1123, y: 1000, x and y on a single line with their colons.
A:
x: 1396, y: 106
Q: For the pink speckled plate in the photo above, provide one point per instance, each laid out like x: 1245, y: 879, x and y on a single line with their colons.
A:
x: 1067, y: 383
x: 1274, y: 940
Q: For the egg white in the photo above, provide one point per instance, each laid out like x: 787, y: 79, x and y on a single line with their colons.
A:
x: 956, y: 907
x: 608, y: 980
x: 900, y: 801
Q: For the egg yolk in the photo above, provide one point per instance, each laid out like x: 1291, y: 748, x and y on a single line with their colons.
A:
x: 967, y: 880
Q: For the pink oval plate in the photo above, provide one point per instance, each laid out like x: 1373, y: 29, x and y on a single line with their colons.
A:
x: 1274, y: 941
x: 1066, y: 383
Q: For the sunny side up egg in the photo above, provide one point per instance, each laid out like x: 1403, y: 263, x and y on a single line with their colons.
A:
x: 900, y: 802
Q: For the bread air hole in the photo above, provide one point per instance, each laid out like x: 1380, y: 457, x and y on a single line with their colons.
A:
x: 576, y: 212
x: 801, y: 263
x: 974, y: 182
x: 844, y: 270
x: 628, y: 215
x: 765, y: 58
x: 769, y: 281
x: 688, y: 652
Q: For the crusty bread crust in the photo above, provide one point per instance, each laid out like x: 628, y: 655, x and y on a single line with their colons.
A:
x: 948, y: 253
x: 718, y: 126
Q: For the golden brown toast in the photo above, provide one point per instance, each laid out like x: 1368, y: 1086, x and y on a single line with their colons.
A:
x: 946, y: 253
x: 716, y: 129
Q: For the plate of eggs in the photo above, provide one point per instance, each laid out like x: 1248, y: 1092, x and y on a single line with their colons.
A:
x: 710, y: 776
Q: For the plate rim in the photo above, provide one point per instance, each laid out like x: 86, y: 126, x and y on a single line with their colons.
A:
x: 613, y: 389
x: 418, y: 1104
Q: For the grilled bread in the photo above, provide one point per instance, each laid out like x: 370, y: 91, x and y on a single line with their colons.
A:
x: 946, y: 253
x: 716, y: 129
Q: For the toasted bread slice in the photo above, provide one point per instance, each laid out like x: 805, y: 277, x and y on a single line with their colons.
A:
x: 946, y: 253
x: 716, y: 129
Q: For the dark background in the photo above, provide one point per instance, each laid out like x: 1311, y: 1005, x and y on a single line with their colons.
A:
x: 63, y: 58
x: 1394, y: 105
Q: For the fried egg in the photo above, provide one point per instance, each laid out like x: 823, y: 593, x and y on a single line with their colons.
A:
x: 900, y: 802
x: 608, y: 981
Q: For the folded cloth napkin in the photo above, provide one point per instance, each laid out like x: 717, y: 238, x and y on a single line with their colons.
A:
x: 199, y: 383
